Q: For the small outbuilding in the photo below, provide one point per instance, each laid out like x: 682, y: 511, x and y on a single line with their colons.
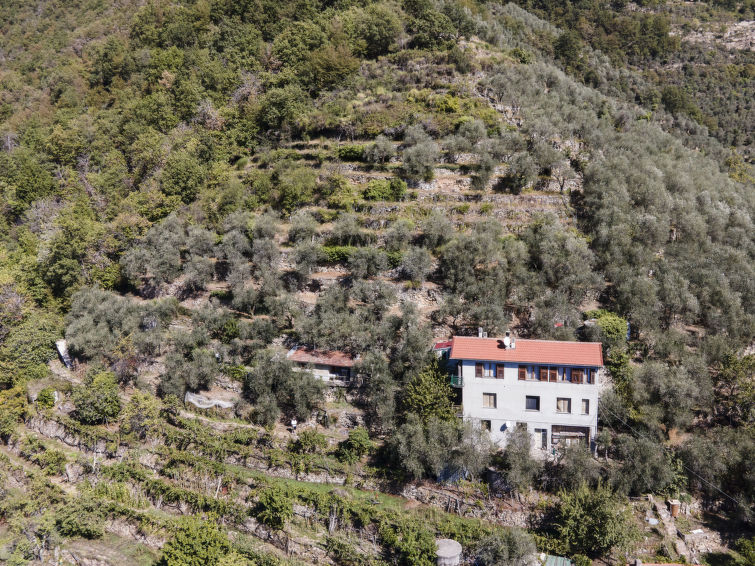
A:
x: 331, y: 366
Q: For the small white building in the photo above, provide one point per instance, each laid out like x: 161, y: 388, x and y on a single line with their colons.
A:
x: 550, y: 387
x: 331, y: 366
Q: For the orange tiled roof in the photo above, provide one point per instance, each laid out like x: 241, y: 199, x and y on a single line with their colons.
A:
x: 329, y: 358
x: 527, y: 351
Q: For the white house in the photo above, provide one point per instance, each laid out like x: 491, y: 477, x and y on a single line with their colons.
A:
x: 331, y: 366
x: 550, y: 387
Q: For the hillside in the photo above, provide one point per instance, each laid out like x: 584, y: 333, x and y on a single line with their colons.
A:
x: 190, y: 189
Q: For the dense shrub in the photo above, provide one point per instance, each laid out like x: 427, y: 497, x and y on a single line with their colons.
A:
x: 96, y: 400
x: 351, y: 152
x: 275, y: 508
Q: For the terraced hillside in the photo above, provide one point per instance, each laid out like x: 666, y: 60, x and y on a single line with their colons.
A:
x: 190, y: 189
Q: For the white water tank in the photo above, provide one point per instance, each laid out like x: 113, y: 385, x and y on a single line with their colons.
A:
x: 448, y: 552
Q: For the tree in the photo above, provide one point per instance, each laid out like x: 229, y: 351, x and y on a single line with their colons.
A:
x: 576, y: 465
x: 197, y: 542
x: 281, y: 107
x: 28, y: 347
x: 436, y: 230
x: 331, y: 65
x: 380, y: 151
x: 522, y: 172
x: 303, y: 227
x: 645, y: 466
x: 416, y: 264
x: 372, y: 30
x: 398, y: 235
x: 568, y: 49
x: 592, y: 521
x: 367, y: 262
x: 612, y: 329
x: 735, y: 389
x: 305, y: 257
x: 273, y: 384
x: 420, y: 155
x: 380, y: 391
x: 97, y: 401
x: 183, y: 176
x: 506, y: 547
x: 295, y: 186
x: 670, y: 392
x: 450, y: 448
x: 518, y: 466
x: 428, y: 394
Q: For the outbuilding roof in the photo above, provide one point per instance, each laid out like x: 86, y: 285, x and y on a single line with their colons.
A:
x: 304, y: 355
x: 554, y: 352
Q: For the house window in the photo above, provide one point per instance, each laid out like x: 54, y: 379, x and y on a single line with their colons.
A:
x: 522, y: 373
x: 488, y: 401
x: 585, y: 406
x: 548, y: 373
x: 499, y: 371
x: 589, y: 376
x: 577, y: 375
x: 478, y: 369
x: 563, y: 405
x: 532, y: 403
x: 485, y: 424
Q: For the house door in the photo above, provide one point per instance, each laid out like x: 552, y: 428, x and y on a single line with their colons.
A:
x: 543, y: 432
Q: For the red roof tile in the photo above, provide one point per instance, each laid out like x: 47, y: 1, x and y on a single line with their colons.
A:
x: 329, y: 358
x: 527, y: 351
x: 443, y: 345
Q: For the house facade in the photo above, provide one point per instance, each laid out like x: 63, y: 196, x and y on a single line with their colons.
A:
x: 549, y: 387
x: 332, y: 366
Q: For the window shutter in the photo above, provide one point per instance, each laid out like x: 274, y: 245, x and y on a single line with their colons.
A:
x: 499, y: 371
x: 543, y: 374
x: 522, y: 373
x: 554, y: 374
x: 576, y: 375
x: 478, y: 370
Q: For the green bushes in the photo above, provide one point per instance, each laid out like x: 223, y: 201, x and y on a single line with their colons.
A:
x: 355, y: 447
x: 351, y: 152
x: 337, y: 254
x: 509, y: 546
x: 275, y: 508
x: 81, y: 518
x: 309, y: 442
x: 591, y: 522
x: 197, y: 542
x: 46, y: 398
x: 97, y: 400
x: 383, y: 189
x: 409, y: 544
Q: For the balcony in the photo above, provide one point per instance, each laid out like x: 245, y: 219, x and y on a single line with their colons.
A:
x: 456, y: 380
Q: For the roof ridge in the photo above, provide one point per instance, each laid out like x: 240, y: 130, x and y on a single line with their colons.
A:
x: 529, y: 340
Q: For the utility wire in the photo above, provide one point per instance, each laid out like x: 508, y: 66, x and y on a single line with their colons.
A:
x: 702, y: 479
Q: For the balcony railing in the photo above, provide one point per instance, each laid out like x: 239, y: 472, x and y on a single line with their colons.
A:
x: 456, y: 380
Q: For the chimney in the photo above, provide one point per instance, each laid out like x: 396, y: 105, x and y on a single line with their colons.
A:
x: 508, y: 341
x: 480, y: 332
